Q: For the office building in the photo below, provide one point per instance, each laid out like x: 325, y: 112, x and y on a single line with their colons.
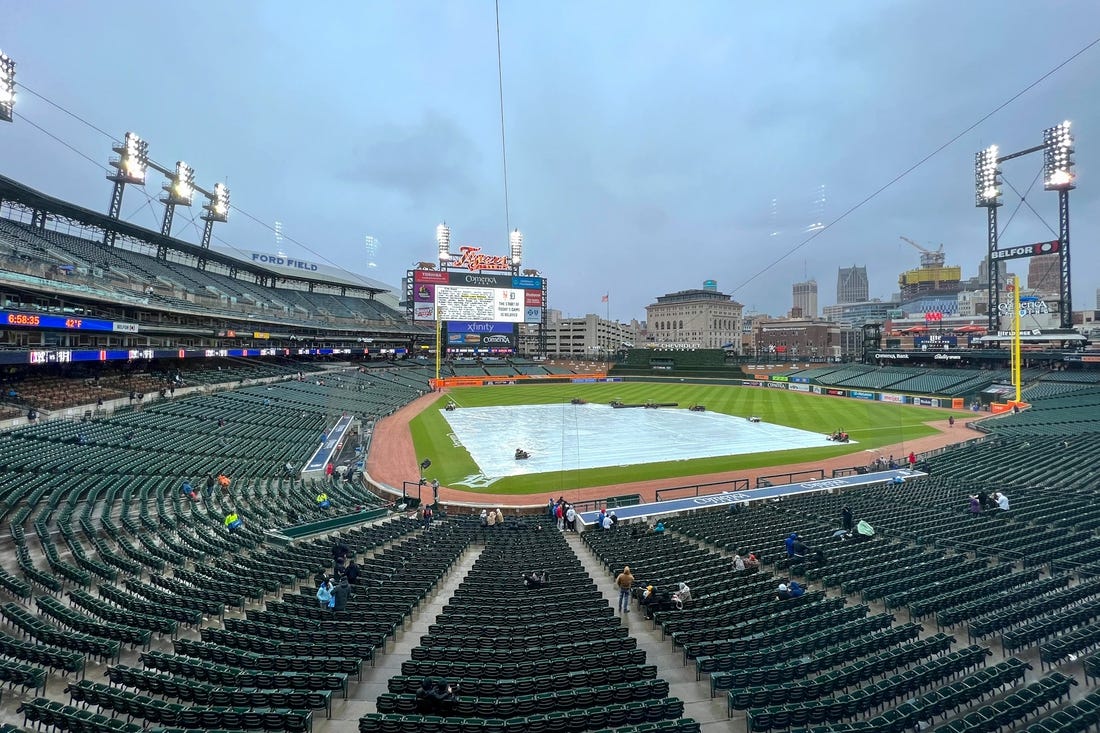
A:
x: 695, y: 319
x: 1044, y: 275
x: 804, y: 297
x: 851, y: 285
x: 589, y: 336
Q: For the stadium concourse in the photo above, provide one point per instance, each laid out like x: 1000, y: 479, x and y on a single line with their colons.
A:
x: 398, y: 461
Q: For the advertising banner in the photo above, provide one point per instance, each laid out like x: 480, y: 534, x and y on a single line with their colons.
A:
x: 777, y: 385
x: 478, y: 327
x: 482, y: 341
x: 897, y: 399
x: 798, y: 387
x: 857, y: 394
x: 750, y: 383
x: 532, y: 297
x: 479, y: 281
x: 779, y: 378
x: 815, y: 389
x: 431, y: 276
x: 926, y: 401
x: 800, y: 380
x: 424, y: 293
x: 532, y: 315
x: 424, y: 312
x: 836, y: 392
x: 958, y: 403
x: 527, y: 283
x: 935, y: 340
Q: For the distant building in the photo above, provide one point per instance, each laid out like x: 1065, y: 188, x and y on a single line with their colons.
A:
x: 851, y: 285
x: 857, y: 314
x: 797, y: 338
x: 983, y: 272
x: 700, y: 318
x: 973, y: 303
x: 589, y: 336
x: 804, y: 297
x: 1098, y: 299
x: 1044, y: 275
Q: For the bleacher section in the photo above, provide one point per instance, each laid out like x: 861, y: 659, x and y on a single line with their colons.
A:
x: 181, y: 286
x: 512, y: 676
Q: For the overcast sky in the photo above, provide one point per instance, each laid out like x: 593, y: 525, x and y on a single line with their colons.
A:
x: 645, y: 140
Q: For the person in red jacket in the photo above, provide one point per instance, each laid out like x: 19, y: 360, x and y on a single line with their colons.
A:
x: 912, y: 459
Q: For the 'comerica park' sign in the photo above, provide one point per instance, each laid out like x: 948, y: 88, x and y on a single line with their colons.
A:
x: 1027, y: 308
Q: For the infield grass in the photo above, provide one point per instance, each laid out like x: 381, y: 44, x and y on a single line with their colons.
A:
x: 872, y: 424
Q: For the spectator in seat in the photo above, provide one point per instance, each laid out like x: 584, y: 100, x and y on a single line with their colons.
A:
x: 846, y: 518
x: 660, y: 528
x: 605, y: 522
x: 975, y: 505
x: 613, y: 518
x: 209, y: 486
x: 500, y: 517
x: 491, y: 519
x: 738, y: 564
x: 536, y: 579
x: 782, y: 593
x: 1002, y: 501
x: 223, y: 482
x: 188, y: 491
x: 752, y: 565
x: 789, y: 543
x: 233, y: 522
x: 795, y: 590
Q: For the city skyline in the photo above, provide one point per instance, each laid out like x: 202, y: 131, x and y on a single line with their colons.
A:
x: 614, y: 177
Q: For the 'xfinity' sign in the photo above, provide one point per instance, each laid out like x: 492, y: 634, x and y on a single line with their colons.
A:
x: 479, y: 327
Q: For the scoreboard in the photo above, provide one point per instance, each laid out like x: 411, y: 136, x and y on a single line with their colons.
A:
x: 475, y: 297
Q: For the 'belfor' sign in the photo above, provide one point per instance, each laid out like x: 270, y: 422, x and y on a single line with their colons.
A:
x: 471, y: 258
x: 1027, y: 250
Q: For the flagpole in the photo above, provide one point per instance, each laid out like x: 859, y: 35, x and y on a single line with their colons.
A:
x: 607, y: 328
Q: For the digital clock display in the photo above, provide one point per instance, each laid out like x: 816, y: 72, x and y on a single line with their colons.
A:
x: 42, y: 320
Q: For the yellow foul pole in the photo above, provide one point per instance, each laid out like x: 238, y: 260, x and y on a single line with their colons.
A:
x: 1016, y: 337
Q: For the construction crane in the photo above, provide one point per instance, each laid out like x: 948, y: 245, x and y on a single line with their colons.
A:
x: 928, y: 258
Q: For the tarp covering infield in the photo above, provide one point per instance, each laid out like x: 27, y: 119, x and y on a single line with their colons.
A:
x: 568, y: 437
x: 727, y: 498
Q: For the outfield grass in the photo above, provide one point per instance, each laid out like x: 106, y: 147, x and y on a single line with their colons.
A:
x: 872, y: 424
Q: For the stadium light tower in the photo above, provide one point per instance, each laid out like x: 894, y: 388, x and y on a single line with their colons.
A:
x: 1058, y: 176
x: 515, y: 244
x: 7, y: 87
x: 1058, y: 158
x: 179, y: 190
x: 217, y: 210
x: 987, y: 195
x: 443, y: 240
x: 131, y: 165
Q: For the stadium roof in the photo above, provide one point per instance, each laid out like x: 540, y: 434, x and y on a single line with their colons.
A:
x: 13, y: 191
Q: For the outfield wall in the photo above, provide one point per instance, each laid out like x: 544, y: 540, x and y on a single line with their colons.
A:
x: 797, y: 384
x: 776, y: 381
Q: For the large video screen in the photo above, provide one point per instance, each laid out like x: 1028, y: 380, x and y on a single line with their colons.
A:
x: 467, y: 296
